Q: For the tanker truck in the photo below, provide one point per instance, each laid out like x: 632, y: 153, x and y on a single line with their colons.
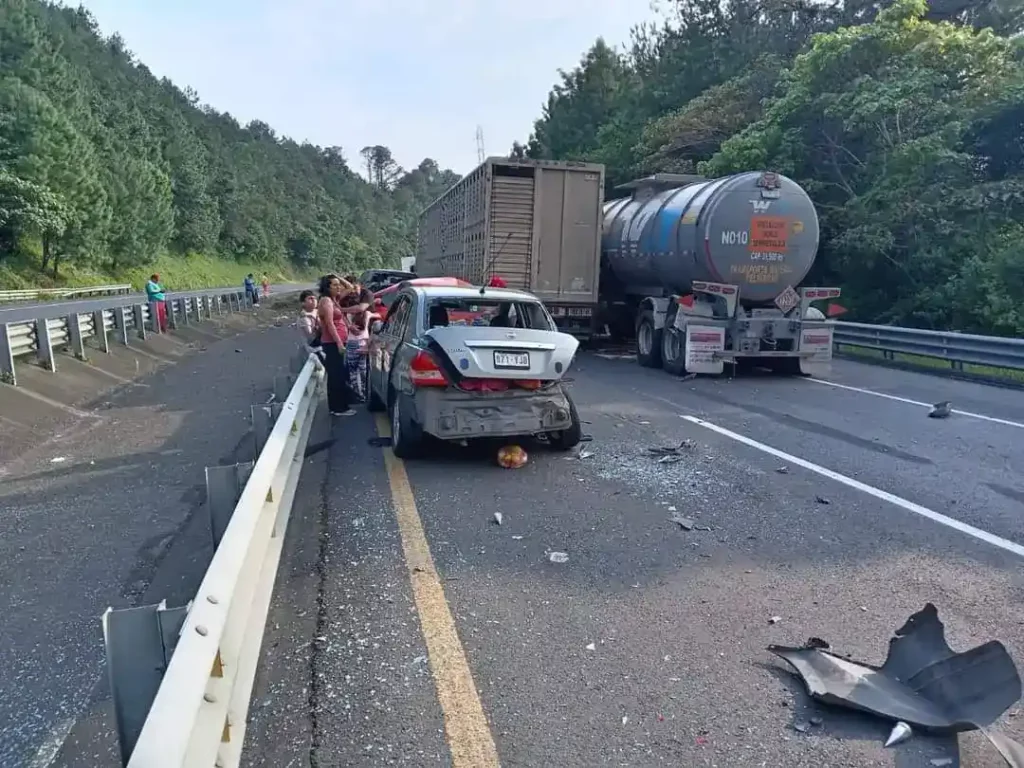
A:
x: 706, y: 272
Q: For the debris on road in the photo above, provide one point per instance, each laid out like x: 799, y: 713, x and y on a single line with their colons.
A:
x: 683, y: 522
x: 583, y: 454
x: 671, y: 451
x: 940, y: 410
x: 512, y: 456
x: 822, y: 500
x: 58, y: 459
x: 900, y: 733
x: 591, y: 647
x: 783, y: 470
x: 922, y: 683
x: 497, y: 518
x: 517, y: 538
x: 380, y: 442
x: 558, y: 557
x: 940, y: 761
x: 774, y: 619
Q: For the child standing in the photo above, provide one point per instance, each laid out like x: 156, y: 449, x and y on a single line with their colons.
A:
x: 355, y: 353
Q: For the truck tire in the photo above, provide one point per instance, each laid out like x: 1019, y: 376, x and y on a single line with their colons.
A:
x: 648, y: 341
x: 787, y: 366
x: 567, y: 439
x: 673, y: 347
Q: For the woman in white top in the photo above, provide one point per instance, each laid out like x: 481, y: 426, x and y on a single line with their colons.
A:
x: 309, y: 321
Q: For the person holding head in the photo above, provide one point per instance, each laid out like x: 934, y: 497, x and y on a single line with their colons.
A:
x: 157, y: 303
x: 333, y: 337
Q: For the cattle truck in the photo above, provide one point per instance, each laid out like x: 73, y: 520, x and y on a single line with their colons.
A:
x: 536, y: 224
x: 706, y: 272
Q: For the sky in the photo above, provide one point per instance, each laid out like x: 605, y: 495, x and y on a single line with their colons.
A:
x: 353, y: 73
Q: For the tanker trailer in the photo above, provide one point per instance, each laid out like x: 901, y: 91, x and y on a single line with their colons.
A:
x: 707, y: 271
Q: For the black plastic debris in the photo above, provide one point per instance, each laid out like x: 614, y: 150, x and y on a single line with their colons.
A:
x: 923, y: 682
x: 379, y: 442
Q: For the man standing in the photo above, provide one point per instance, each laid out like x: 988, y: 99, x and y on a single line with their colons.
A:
x: 157, y: 303
x: 251, y: 293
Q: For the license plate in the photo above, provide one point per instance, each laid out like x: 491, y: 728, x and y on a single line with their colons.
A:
x: 579, y: 312
x: 511, y: 359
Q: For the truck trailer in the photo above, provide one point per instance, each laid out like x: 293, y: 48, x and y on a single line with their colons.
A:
x: 706, y: 271
x: 536, y: 224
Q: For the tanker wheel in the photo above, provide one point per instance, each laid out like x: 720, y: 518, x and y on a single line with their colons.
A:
x: 648, y: 341
x: 673, y: 351
x: 787, y: 366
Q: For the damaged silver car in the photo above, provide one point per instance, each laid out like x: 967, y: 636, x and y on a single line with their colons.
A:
x: 462, y: 363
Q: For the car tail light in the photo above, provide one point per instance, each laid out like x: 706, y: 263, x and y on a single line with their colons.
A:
x: 424, y: 371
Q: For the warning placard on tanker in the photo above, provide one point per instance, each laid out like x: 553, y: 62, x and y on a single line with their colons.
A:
x: 769, y: 233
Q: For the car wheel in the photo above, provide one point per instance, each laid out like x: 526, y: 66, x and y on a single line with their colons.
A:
x: 406, y: 434
x: 569, y: 438
x: 374, y: 404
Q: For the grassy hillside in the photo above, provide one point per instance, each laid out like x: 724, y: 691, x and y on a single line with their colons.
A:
x: 108, y: 172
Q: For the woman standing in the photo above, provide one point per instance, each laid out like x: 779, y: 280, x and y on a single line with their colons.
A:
x: 333, y: 336
x: 358, y: 342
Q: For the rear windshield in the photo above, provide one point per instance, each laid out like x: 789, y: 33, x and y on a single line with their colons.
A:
x: 493, y: 313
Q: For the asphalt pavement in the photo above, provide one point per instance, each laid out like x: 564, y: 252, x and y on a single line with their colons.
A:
x: 111, y: 513
x: 410, y: 628
x: 27, y: 311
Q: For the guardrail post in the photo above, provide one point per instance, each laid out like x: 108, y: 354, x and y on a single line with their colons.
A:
x: 76, y: 342
x: 298, y: 360
x: 44, y: 345
x: 172, y: 314
x: 208, y: 306
x: 282, y: 386
x: 216, y: 304
x: 263, y: 419
x: 99, y: 330
x: 184, y: 311
x: 139, y: 644
x: 224, y: 486
x: 7, y: 371
x: 121, y: 324
x: 139, y: 313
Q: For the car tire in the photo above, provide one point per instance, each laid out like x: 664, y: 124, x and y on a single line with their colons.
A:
x: 567, y: 439
x: 406, y: 434
x: 374, y: 404
x: 648, y: 336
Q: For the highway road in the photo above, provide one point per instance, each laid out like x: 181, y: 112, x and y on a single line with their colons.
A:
x: 23, y: 312
x: 833, y: 510
x: 411, y: 629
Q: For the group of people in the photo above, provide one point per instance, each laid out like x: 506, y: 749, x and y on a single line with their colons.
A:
x: 252, y: 292
x: 337, y: 326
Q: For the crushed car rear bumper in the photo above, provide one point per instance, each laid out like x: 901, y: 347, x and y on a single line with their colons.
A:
x: 450, y: 414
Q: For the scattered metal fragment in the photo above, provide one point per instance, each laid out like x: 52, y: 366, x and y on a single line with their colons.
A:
x: 497, y: 518
x: 672, y: 450
x: 923, y: 682
x: 558, y: 557
x: 900, y: 733
x: 517, y: 538
x: 774, y: 619
x: 783, y: 470
x: 670, y: 459
x: 584, y: 454
x: 940, y: 410
x: 822, y: 500
x: 683, y: 522
x: 591, y: 647
x: 58, y: 459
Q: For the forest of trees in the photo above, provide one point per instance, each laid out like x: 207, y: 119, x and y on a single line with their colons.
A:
x: 903, y: 120
x: 105, y: 165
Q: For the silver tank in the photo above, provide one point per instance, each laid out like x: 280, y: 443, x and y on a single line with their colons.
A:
x: 757, y: 230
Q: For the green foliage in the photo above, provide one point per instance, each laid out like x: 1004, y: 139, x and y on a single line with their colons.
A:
x: 104, y: 169
x: 903, y: 120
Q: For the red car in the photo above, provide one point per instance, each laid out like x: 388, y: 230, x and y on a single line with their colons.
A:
x: 383, y: 298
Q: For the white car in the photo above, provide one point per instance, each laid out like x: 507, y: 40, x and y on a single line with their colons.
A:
x: 458, y: 363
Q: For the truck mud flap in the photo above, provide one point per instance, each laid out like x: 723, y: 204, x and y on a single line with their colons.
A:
x: 816, y: 350
x: 704, y: 347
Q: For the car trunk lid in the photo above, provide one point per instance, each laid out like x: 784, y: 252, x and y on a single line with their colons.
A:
x: 505, y: 353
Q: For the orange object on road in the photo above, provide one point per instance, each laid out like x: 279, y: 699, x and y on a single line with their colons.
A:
x: 512, y: 456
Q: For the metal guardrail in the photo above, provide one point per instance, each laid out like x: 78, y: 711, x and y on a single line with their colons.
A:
x: 52, y: 328
x: 63, y: 293
x: 182, y: 678
x: 957, y: 349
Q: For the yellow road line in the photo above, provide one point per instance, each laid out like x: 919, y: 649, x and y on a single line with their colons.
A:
x: 469, y: 736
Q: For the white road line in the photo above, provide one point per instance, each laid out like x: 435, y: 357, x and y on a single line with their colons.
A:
x: 878, y: 493
x: 907, y: 400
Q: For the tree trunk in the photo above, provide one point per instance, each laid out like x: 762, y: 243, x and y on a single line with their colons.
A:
x: 47, y: 251
x: 56, y: 265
